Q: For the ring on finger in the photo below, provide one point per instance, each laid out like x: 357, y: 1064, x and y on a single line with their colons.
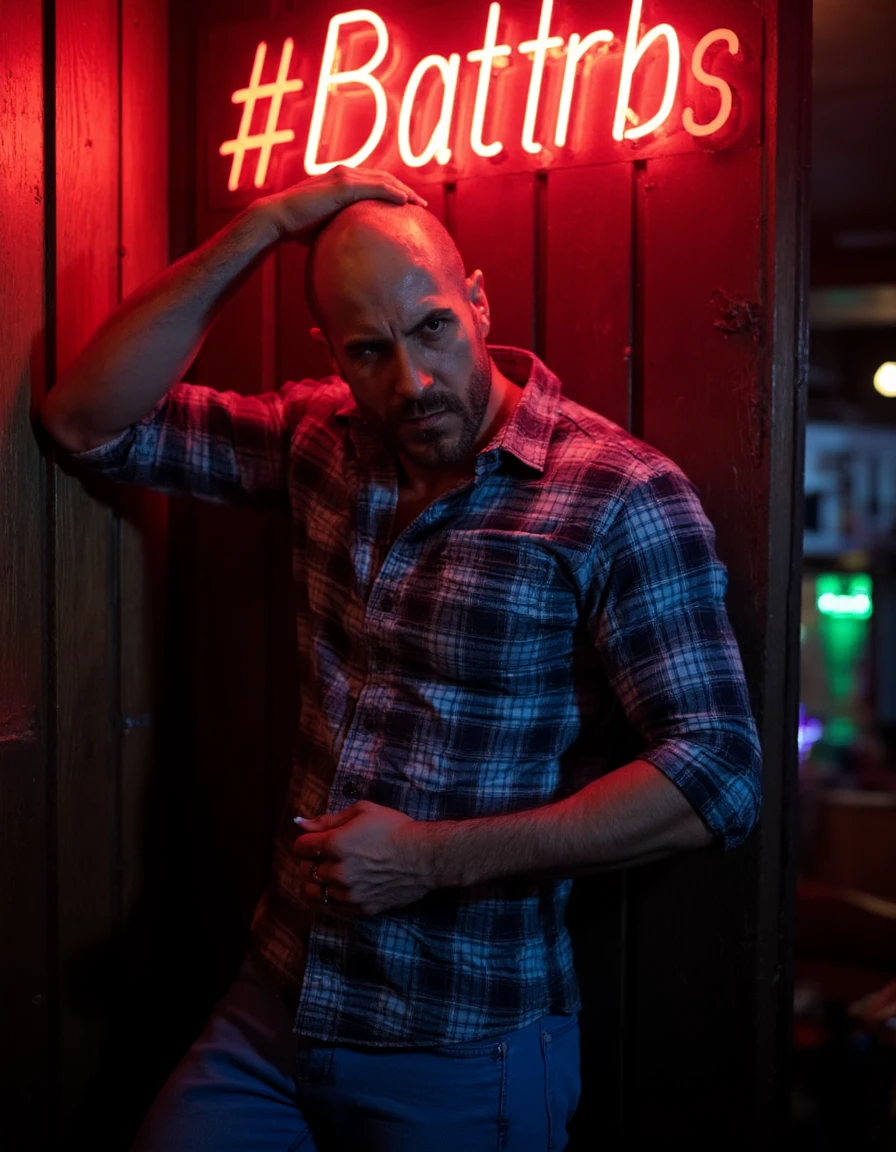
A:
x: 314, y: 873
x: 324, y: 894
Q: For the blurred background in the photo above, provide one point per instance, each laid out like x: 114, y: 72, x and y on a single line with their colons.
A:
x: 845, y: 1003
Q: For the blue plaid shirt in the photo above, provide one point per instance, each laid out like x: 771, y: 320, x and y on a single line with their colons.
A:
x: 557, y: 616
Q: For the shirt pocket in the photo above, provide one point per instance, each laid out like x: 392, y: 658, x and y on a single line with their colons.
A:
x: 502, y: 614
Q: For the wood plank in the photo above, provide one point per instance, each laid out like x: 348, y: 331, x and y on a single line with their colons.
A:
x: 150, y: 890
x: 597, y: 922
x: 587, y: 271
x: 87, y: 237
x: 588, y: 286
x: 705, y: 403
x: 700, y: 407
x: 228, y: 650
x: 142, y: 571
x: 494, y: 227
x: 702, y: 345
x: 788, y: 97
x: 24, y: 975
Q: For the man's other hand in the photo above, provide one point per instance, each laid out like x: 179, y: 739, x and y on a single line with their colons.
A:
x: 362, y: 861
x: 302, y: 210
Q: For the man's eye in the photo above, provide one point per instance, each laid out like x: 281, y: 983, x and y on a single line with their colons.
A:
x: 435, y: 326
x: 366, y: 352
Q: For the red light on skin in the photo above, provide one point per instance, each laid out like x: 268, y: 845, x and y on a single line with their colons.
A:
x: 271, y: 135
x: 634, y: 51
x: 711, y: 81
x: 438, y: 141
x: 486, y: 56
x: 538, y: 48
x: 330, y: 79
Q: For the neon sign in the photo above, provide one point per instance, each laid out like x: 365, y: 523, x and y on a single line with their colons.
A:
x: 378, y: 92
x: 844, y: 596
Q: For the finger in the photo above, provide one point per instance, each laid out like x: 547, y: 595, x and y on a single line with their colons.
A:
x: 325, y: 873
x: 318, y: 846
x: 385, y: 192
x: 323, y: 823
x: 385, y: 186
x: 313, y: 845
x: 413, y: 197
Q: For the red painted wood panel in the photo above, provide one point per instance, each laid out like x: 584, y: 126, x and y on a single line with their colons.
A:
x: 704, y: 405
x: 564, y: 256
x: 588, y: 269
x: 24, y: 976
x: 227, y: 647
x: 493, y: 223
x: 705, y: 401
x: 144, y: 515
x: 298, y: 356
x: 151, y: 893
x: 87, y: 239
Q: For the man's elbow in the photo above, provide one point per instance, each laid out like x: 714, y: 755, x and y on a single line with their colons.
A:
x: 64, y: 428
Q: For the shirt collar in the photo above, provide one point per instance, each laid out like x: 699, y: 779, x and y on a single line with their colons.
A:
x: 526, y: 435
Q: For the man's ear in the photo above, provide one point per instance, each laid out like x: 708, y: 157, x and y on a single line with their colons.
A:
x: 479, y: 300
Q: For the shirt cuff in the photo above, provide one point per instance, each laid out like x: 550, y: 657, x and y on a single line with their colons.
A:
x: 115, y: 452
x: 722, y: 786
x: 104, y: 452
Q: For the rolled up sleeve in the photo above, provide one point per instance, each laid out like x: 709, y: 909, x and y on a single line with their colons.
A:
x: 197, y: 441
x: 659, y: 624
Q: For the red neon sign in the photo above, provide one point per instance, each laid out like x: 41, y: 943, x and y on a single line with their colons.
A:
x: 376, y: 90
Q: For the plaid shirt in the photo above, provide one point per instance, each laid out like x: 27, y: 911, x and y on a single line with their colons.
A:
x: 555, y: 617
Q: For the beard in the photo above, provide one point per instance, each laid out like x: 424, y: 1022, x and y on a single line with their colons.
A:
x: 435, y: 447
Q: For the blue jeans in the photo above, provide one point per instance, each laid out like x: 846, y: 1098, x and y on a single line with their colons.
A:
x: 249, y: 1082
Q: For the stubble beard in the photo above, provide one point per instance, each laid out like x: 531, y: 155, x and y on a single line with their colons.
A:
x: 432, y: 449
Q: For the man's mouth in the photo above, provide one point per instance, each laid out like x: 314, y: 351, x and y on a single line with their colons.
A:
x: 426, y: 420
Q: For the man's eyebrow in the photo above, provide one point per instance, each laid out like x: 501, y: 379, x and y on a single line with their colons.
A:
x: 355, y: 342
x: 432, y: 314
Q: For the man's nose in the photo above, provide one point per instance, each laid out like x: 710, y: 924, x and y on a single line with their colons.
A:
x: 411, y: 379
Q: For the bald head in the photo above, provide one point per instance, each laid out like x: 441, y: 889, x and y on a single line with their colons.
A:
x: 405, y: 328
x: 369, y: 248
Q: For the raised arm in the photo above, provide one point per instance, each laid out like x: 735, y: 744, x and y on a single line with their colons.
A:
x: 146, y: 345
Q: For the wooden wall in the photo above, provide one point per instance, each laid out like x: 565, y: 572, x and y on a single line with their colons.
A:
x: 84, y: 219
x: 147, y: 692
x: 667, y: 294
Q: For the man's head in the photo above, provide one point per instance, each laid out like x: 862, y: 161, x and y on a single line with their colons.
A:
x: 405, y: 326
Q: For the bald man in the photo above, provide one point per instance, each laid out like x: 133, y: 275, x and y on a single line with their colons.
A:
x: 515, y: 663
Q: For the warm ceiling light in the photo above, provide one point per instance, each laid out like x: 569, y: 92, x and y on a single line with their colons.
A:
x: 885, y: 379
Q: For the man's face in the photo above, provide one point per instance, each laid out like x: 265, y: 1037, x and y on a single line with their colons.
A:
x: 409, y: 340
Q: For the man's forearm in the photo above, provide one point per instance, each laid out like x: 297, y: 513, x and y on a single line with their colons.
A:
x: 629, y: 816
x: 147, y: 344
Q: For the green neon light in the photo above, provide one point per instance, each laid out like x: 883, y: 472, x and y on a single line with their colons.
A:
x: 844, y: 596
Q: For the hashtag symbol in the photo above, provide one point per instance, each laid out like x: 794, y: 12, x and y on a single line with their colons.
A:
x: 248, y: 97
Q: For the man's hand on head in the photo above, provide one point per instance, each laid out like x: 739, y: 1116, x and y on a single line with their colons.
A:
x: 362, y: 861
x: 301, y: 211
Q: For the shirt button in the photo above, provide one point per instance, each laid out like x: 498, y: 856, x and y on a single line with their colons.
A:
x: 328, y: 954
x: 386, y: 604
x: 350, y: 789
x: 370, y: 721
